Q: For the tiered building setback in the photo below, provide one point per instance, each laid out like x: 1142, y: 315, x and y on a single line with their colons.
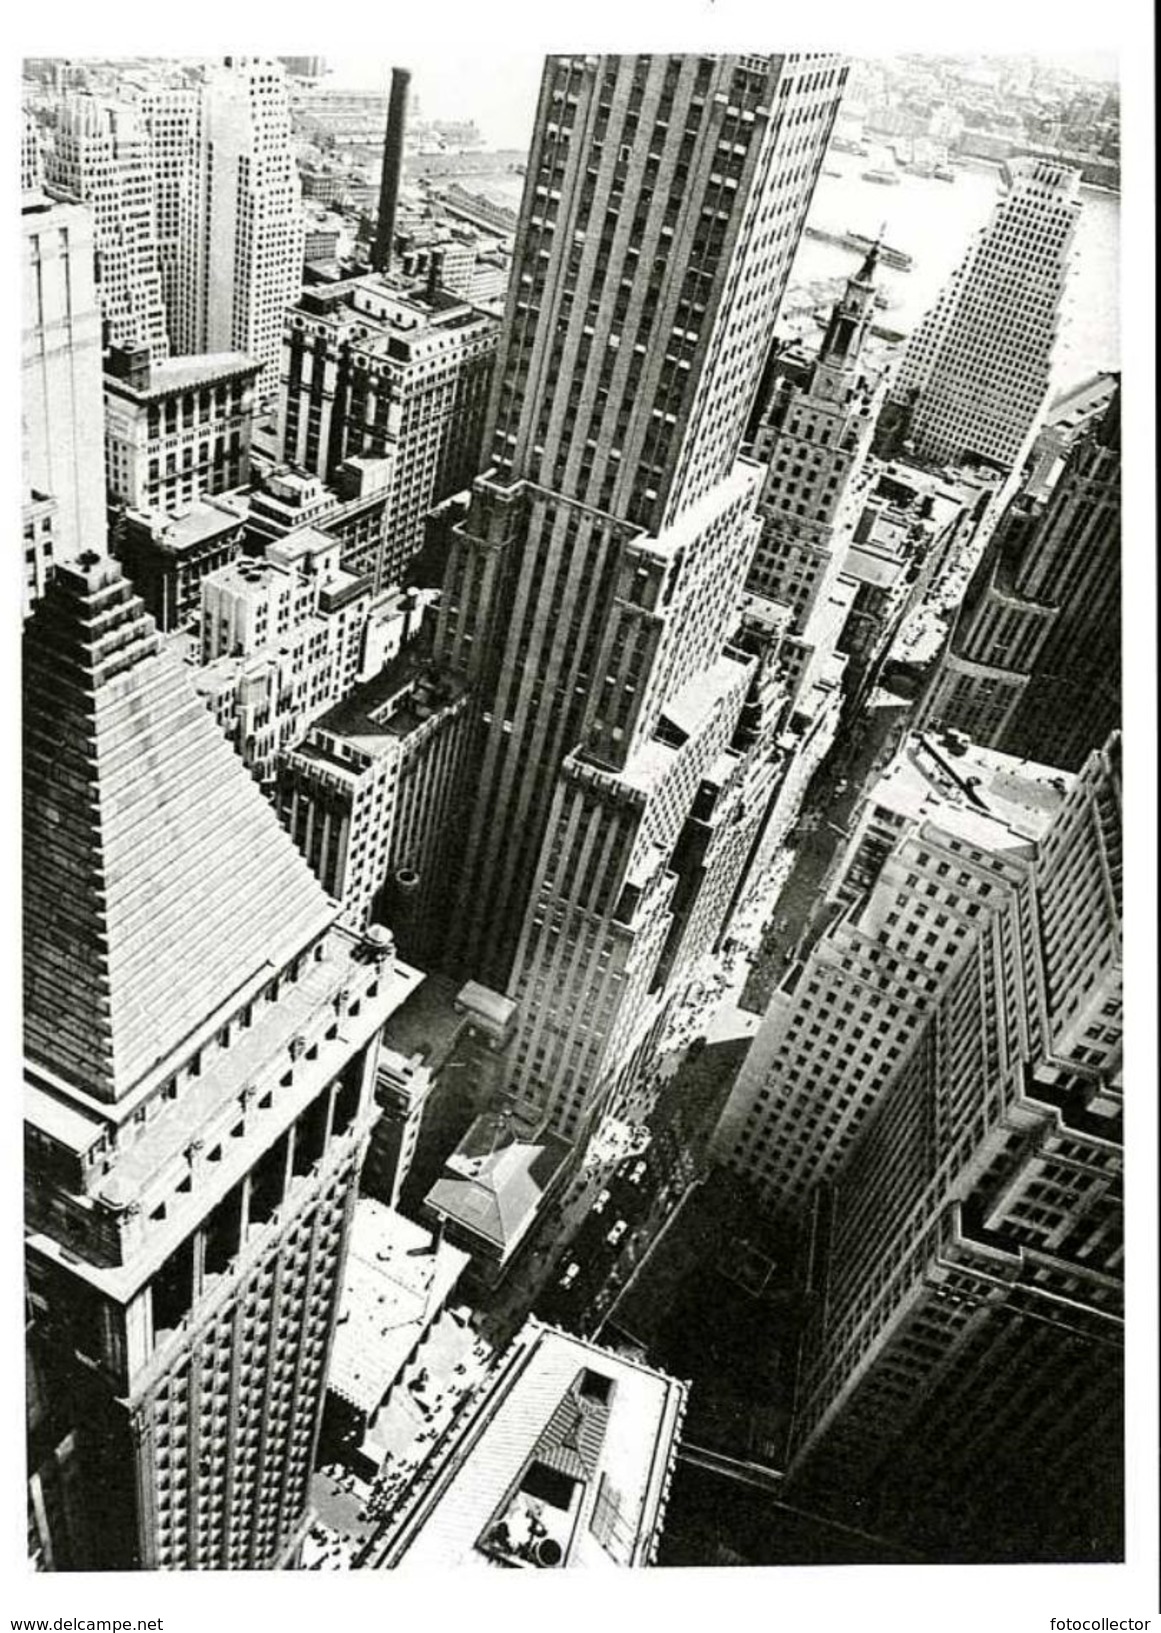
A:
x: 962, y: 1374
x: 1034, y: 667
x: 201, y: 1046
x: 593, y: 585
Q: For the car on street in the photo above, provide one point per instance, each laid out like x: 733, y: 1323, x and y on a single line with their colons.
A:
x: 617, y: 1232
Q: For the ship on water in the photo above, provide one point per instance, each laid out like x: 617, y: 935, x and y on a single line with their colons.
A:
x: 858, y: 243
x: 883, y: 178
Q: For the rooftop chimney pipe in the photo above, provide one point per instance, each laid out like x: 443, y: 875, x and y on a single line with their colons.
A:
x: 392, y: 169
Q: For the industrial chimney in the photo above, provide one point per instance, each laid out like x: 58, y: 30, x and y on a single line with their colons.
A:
x: 392, y: 169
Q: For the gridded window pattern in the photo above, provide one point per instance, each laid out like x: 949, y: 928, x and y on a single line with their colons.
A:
x: 100, y: 154
x: 980, y: 360
x: 232, y: 1424
x: 665, y: 197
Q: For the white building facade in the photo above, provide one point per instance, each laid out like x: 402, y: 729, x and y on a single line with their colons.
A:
x: 979, y: 364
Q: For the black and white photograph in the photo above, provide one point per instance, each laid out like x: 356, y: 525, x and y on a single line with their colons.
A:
x: 575, y: 764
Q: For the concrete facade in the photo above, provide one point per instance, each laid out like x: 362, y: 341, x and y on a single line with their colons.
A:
x: 60, y: 360
x: 200, y: 1046
x: 977, y: 369
x: 176, y: 429
x: 594, y: 581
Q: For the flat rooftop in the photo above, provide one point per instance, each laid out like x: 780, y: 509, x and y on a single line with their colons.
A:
x: 197, y: 523
x: 177, y: 374
x: 572, y: 1444
x: 397, y: 1279
x: 990, y: 799
x: 368, y: 710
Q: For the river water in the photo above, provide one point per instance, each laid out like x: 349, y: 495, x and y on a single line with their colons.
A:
x: 932, y: 221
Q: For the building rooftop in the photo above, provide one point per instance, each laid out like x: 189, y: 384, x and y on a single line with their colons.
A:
x: 684, y: 715
x: 397, y: 1279
x: 391, y: 704
x: 177, y: 374
x: 877, y: 567
x: 494, y: 1180
x: 388, y: 316
x: 566, y: 1461
x: 196, y: 523
x: 992, y: 800
x: 492, y: 1006
x: 1080, y: 402
x: 158, y: 880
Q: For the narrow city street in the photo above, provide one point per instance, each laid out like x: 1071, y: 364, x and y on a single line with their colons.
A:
x: 831, y: 800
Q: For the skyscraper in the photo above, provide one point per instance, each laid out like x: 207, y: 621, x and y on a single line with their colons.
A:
x: 813, y: 440
x: 593, y: 584
x: 1034, y: 666
x: 961, y: 1379
x: 171, y: 115
x: 201, y: 1045
x: 242, y: 238
x: 100, y: 155
x: 61, y: 373
x: 976, y: 371
x: 947, y: 830
x: 31, y: 158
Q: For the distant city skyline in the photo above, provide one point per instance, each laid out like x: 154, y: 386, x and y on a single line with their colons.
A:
x: 502, y: 100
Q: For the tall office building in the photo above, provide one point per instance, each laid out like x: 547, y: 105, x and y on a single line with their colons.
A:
x: 976, y: 371
x: 961, y: 1380
x: 100, y: 155
x: 241, y: 241
x: 813, y: 439
x: 369, y: 797
x: 31, y: 157
x: 1034, y: 665
x: 176, y: 430
x: 171, y: 115
x: 201, y: 1045
x: 61, y: 374
x: 593, y: 583
x: 374, y: 369
x: 947, y: 830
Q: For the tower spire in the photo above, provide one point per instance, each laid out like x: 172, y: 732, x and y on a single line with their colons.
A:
x: 866, y: 273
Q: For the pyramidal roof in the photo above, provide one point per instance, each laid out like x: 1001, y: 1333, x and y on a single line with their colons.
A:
x: 157, y: 879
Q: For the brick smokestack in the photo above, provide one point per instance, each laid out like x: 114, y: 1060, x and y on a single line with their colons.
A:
x: 392, y: 169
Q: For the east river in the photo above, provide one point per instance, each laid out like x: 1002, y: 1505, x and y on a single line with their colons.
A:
x: 932, y: 221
